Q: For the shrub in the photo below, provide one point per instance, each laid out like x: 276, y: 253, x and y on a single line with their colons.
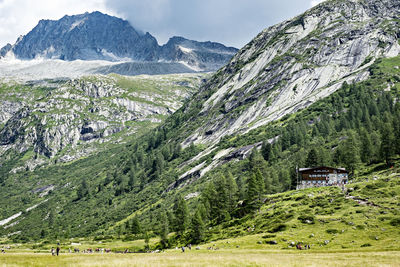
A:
x: 278, y: 228
x: 298, y: 198
x: 395, y: 222
x: 332, y: 231
x: 269, y: 236
x: 306, y: 218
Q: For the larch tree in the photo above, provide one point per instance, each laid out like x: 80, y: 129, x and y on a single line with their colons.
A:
x: 181, y: 213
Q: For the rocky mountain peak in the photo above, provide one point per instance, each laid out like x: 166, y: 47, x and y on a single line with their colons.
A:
x: 98, y: 36
x: 291, y: 65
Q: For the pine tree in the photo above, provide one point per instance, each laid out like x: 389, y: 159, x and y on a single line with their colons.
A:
x: 51, y: 218
x: 157, y: 165
x: 203, y: 212
x: 209, y: 199
x: 266, y: 150
x: 343, y: 123
x: 285, y: 140
x: 241, y: 188
x: 181, y: 213
x: 147, y: 240
x: 164, y: 230
x: 166, y: 152
x: 387, y: 143
x: 260, y: 183
x: 197, y: 228
x: 177, y: 151
x: 127, y: 227
x: 83, y: 189
x: 109, y: 178
x: 315, y: 132
x: 396, y: 127
x: 275, y: 184
x: 132, y: 180
x: 253, y: 201
x: 135, y: 226
x: 350, y: 155
x: 285, y: 178
x: 171, y: 218
x: 366, y: 151
x: 376, y: 144
x: 143, y: 180
x: 324, y: 156
x: 232, y: 189
x: 256, y: 161
x: 221, y: 207
x: 312, y: 158
x: 268, y: 183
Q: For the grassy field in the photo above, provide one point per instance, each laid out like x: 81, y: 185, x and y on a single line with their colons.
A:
x: 208, y: 258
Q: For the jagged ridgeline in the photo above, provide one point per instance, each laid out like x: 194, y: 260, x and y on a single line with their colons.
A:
x: 96, y: 36
x: 325, y: 83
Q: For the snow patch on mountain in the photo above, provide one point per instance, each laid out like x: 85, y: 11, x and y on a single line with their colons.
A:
x: 40, y: 68
x: 185, y: 49
x: 77, y: 24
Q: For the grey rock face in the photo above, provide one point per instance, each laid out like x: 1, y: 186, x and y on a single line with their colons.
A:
x: 201, y: 55
x: 72, y: 118
x: 86, y: 36
x: 5, y: 50
x: 289, y: 66
x: 96, y: 36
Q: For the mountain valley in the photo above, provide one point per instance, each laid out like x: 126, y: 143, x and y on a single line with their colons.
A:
x: 207, y: 158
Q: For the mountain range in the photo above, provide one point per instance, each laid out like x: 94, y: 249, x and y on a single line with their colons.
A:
x: 97, y: 36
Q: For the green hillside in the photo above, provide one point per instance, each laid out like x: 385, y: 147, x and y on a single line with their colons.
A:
x: 102, y: 195
x: 63, y: 120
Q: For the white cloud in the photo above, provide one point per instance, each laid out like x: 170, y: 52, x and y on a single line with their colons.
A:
x: 316, y: 2
x: 20, y: 16
x: 232, y: 22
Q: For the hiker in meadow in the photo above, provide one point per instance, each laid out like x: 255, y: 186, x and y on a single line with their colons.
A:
x: 58, y: 250
x: 190, y: 246
x: 52, y: 252
x: 183, y: 249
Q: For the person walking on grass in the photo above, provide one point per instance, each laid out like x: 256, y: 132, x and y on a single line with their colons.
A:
x: 52, y: 252
x: 58, y: 250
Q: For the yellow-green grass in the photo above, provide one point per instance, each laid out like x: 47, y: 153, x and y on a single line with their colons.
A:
x: 207, y: 258
x: 337, y: 221
x: 82, y: 244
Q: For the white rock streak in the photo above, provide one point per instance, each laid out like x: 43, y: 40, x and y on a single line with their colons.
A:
x: 9, y: 219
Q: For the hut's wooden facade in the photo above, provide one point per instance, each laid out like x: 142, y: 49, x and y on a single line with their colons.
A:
x: 321, y: 176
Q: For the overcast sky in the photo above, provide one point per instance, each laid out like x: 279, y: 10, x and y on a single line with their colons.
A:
x: 231, y: 22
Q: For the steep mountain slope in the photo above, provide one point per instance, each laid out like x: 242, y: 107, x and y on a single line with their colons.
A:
x: 68, y: 119
x: 289, y: 66
x: 96, y: 36
x: 99, y: 194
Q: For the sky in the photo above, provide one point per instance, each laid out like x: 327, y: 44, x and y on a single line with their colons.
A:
x: 231, y: 22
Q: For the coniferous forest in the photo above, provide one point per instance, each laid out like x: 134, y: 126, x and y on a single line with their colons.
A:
x: 355, y: 127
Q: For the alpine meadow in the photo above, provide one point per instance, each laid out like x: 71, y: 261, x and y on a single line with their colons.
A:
x: 118, y: 151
